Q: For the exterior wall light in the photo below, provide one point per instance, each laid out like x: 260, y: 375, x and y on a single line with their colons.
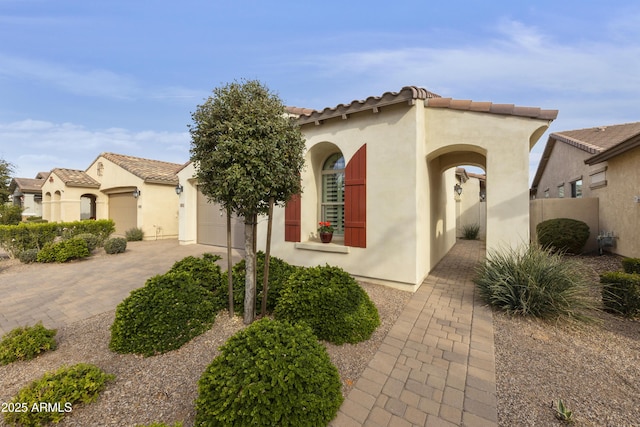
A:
x: 179, y: 188
x: 137, y: 193
x: 458, y: 189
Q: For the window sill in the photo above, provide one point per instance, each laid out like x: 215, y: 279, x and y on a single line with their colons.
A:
x: 322, y: 247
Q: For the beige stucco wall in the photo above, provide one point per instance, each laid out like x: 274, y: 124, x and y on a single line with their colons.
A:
x: 395, y: 221
x: 469, y: 209
x: 584, y: 209
x: 565, y: 165
x: 619, y: 210
x: 500, y: 145
x: 187, y: 205
x: 61, y: 203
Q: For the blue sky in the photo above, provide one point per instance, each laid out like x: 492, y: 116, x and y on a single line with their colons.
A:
x: 79, y: 77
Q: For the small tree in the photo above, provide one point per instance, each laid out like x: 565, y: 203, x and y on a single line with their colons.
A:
x: 246, y: 150
x: 6, y: 169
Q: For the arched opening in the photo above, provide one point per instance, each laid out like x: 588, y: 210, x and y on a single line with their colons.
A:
x: 332, y: 199
x: 457, y: 197
x: 56, y: 208
x: 87, y: 206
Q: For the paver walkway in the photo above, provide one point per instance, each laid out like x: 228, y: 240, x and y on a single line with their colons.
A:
x: 436, y: 367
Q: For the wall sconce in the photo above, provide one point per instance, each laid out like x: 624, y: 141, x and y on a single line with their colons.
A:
x: 179, y: 188
x: 137, y: 193
x: 458, y: 189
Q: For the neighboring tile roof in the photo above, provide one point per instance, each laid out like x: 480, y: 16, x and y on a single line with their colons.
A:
x: 151, y: 171
x: 29, y: 185
x: 603, y: 142
x: 75, y: 178
x: 411, y: 93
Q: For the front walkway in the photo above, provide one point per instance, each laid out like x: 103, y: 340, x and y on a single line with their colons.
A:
x: 436, y: 366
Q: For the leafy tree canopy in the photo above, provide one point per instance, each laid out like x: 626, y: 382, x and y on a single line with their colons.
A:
x: 6, y: 170
x: 246, y: 149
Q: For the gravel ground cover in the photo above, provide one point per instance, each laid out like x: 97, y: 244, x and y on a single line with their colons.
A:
x: 594, y: 368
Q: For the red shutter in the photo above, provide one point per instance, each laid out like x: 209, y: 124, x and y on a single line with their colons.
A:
x: 292, y: 219
x: 355, y: 200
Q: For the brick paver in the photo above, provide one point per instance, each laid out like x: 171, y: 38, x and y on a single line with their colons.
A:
x: 436, y: 366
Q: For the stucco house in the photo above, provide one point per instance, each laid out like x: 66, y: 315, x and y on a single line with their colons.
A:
x: 134, y: 192
x: 600, y: 163
x: 382, y: 170
x: 27, y: 193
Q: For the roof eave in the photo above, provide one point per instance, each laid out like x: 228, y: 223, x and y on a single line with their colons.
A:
x: 616, y: 150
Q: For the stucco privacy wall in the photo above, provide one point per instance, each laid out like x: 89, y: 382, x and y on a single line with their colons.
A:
x: 395, y: 222
x: 61, y: 202
x: 505, y: 141
x: 619, y: 208
x: 585, y: 210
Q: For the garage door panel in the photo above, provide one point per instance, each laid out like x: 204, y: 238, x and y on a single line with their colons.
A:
x: 212, y: 225
x: 123, y: 210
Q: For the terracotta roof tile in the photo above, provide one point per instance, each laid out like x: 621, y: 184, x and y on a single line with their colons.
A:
x: 601, y: 137
x: 29, y: 185
x: 154, y: 171
x: 75, y: 178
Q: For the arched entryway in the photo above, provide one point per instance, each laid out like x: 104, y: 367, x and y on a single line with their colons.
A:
x: 88, y: 206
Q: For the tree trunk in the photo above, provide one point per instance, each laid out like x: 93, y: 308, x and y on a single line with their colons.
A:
x: 267, y: 254
x: 229, y: 263
x: 250, y: 278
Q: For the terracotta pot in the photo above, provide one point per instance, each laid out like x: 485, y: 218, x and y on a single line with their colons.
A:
x: 326, y: 237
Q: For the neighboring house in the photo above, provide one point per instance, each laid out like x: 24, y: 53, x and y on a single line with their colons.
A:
x: 602, y: 163
x: 134, y: 192
x: 27, y: 193
x: 382, y: 171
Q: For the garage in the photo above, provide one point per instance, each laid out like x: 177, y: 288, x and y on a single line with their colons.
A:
x: 212, y: 225
x: 123, y: 210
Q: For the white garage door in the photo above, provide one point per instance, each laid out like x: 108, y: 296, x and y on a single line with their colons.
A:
x: 123, y: 210
x: 212, y: 225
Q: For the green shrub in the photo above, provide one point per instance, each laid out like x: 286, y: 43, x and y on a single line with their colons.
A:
x: 471, y: 231
x: 36, y: 219
x: 115, y: 245
x: 64, y: 251
x: 271, y: 373
x: 58, y: 392
x: 101, y: 228
x: 92, y: 240
x: 621, y: 293
x: 331, y: 302
x: 28, y: 256
x: 10, y: 214
x: 25, y: 343
x: 563, y: 235
x: 206, y: 273
x: 279, y: 272
x: 534, y: 282
x: 631, y: 265
x: 163, y: 315
x: 176, y: 424
x: 134, y: 234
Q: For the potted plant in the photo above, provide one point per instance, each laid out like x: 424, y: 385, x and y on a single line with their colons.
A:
x: 325, y: 230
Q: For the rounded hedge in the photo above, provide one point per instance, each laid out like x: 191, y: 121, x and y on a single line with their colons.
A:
x: 271, y: 373
x: 64, y: 251
x: 331, y: 302
x: 205, y: 273
x: 92, y: 240
x: 163, y: 315
x: 279, y: 272
x: 115, y: 245
x: 563, y: 235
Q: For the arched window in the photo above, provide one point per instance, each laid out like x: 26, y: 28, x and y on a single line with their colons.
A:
x: 332, y: 203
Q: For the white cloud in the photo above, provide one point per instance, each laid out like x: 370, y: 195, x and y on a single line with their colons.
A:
x: 34, y: 146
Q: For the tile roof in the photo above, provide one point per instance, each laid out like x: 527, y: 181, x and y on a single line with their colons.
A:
x: 75, y: 178
x: 151, y: 171
x: 28, y: 185
x: 603, y: 142
x: 410, y: 94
